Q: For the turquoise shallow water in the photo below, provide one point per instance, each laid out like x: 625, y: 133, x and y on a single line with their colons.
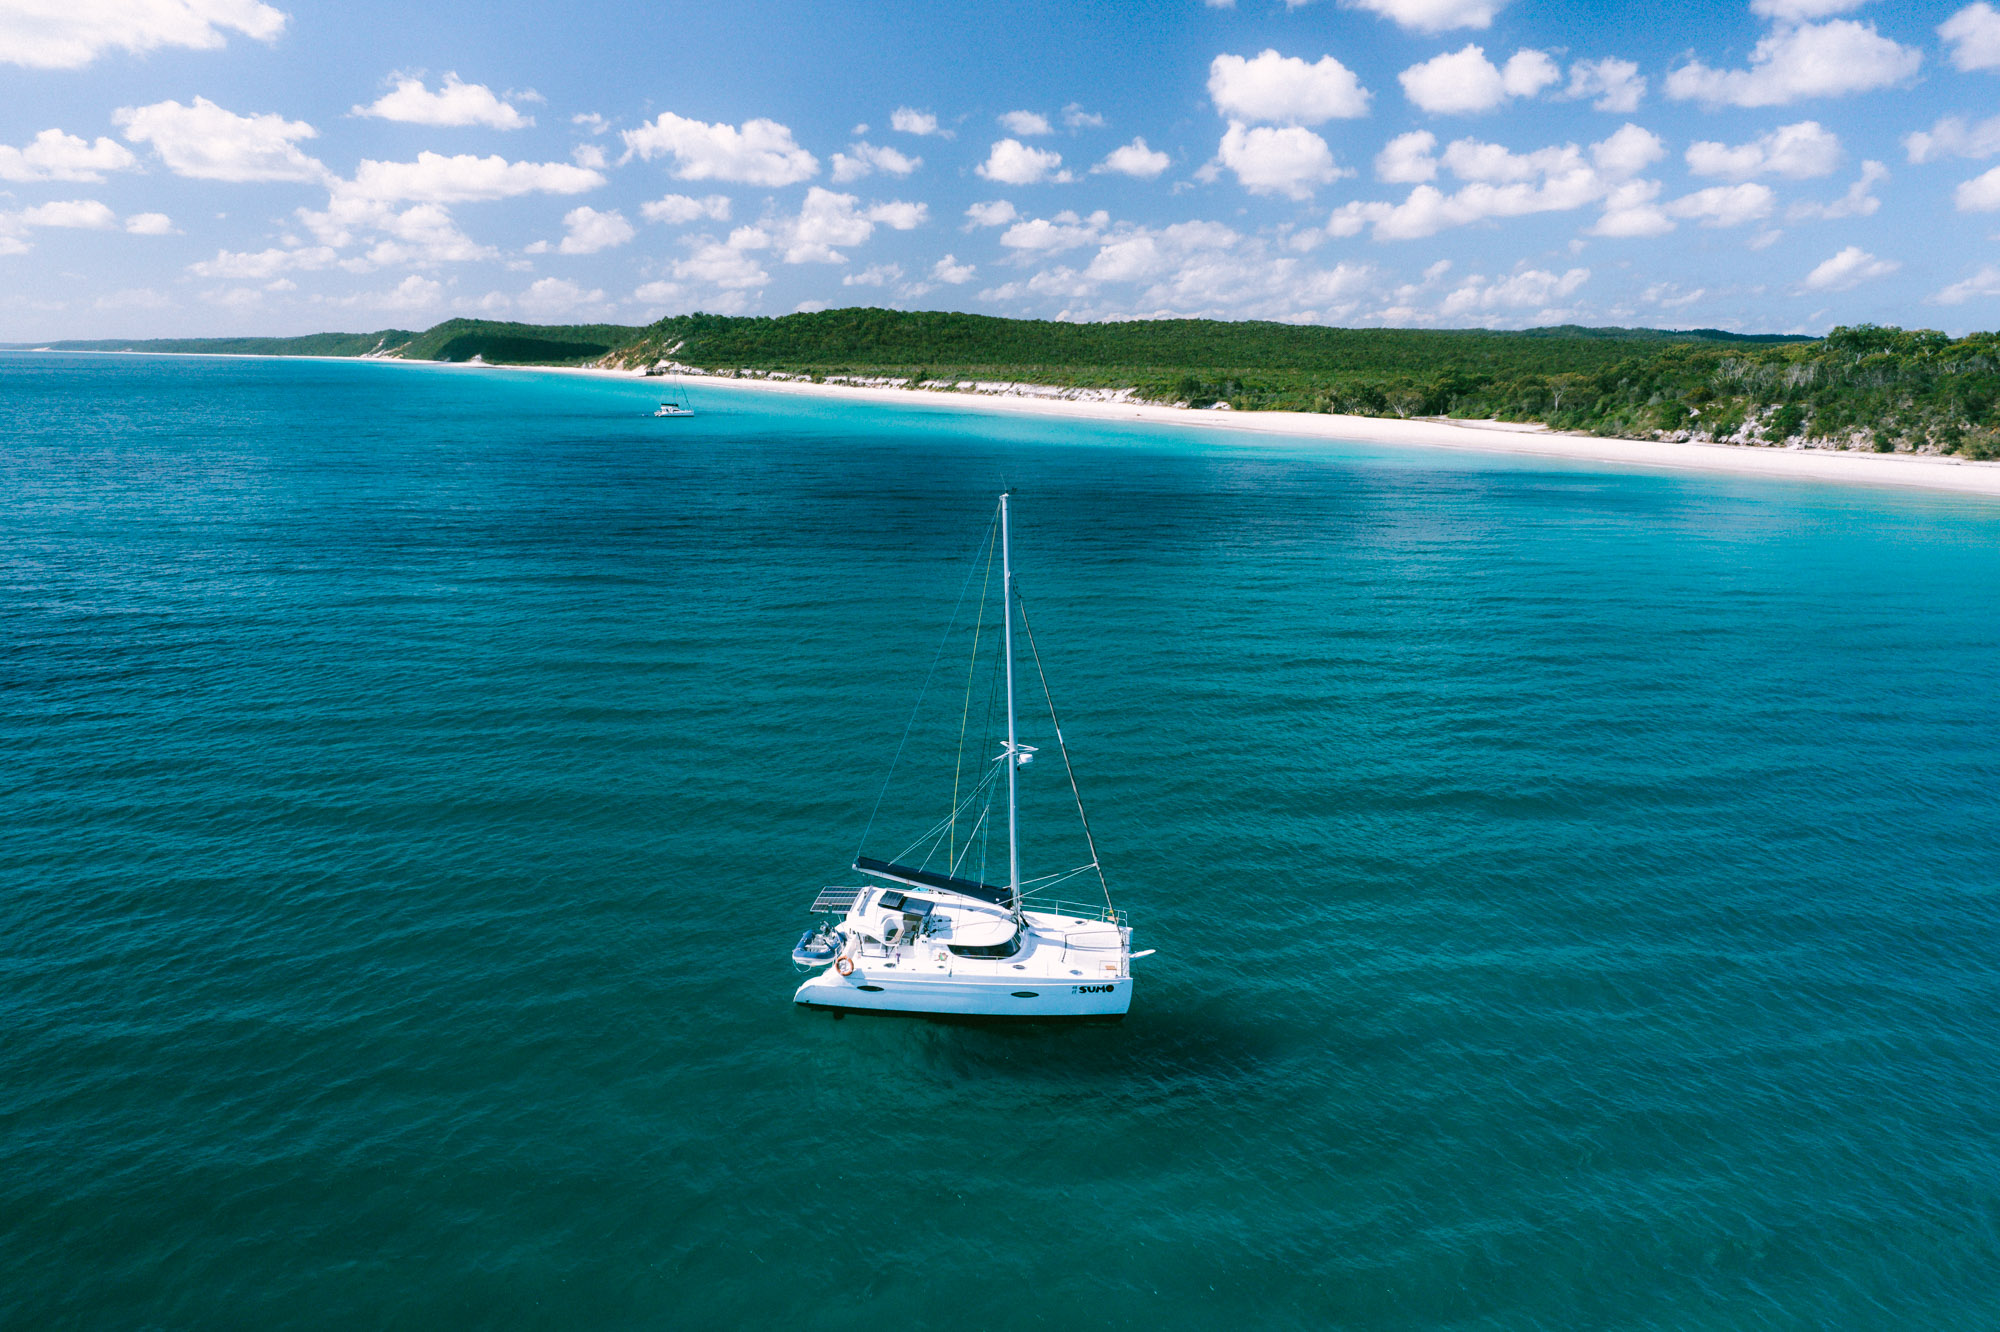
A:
x: 1575, y: 889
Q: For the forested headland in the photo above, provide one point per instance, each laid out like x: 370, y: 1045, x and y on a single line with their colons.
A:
x: 1864, y: 387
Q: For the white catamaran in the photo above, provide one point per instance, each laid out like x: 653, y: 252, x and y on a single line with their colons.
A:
x: 943, y: 942
x: 676, y: 402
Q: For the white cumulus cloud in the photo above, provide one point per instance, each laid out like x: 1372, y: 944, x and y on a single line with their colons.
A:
x: 997, y: 213
x: 763, y: 152
x: 728, y: 266
x: 1065, y: 231
x: 1408, y: 159
x: 586, y: 231
x: 261, y: 265
x: 828, y: 222
x: 875, y: 275
x: 77, y: 214
x: 1617, y: 84
x: 905, y: 120
x: 84, y: 214
x: 1796, y: 152
x: 1194, y: 269
x: 423, y: 233
x: 1531, y: 289
x: 1952, y: 137
x: 1011, y: 162
x: 948, y: 269
x: 1499, y: 182
x: 414, y: 292
x: 1027, y: 124
x: 150, y: 224
x: 1800, y: 11
x: 675, y: 209
x: 1291, y: 161
x: 1850, y: 268
x: 69, y: 34
x: 864, y: 159
x: 456, y: 102
x: 54, y: 155
x: 553, y: 298
x: 1463, y: 81
x: 1628, y: 151
x: 1981, y: 194
x: 1141, y: 254
x: 1986, y: 282
x: 1136, y: 160
x: 1793, y: 63
x: 1859, y: 201
x: 205, y: 142
x: 1631, y: 210
x: 1434, y: 15
x: 1725, y: 205
x: 1285, y: 89
x: 1974, y: 34
x: 464, y: 178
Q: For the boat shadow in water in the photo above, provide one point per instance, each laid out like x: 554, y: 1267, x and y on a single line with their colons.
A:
x: 1154, y: 1044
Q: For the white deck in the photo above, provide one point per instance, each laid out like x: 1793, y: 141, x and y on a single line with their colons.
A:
x: 1068, y: 966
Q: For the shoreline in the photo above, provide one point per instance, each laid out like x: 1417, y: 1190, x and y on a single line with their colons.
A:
x: 1898, y: 470
x: 1901, y: 470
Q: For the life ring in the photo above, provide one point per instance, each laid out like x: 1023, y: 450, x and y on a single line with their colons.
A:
x: 845, y: 966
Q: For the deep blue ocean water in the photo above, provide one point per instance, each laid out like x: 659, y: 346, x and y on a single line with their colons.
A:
x: 1574, y: 888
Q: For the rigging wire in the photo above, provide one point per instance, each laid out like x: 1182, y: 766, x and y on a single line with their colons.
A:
x: 911, y: 723
x: 1083, y: 818
x: 936, y: 831
x: 988, y: 726
x: 968, y: 843
x: 965, y: 713
x: 946, y: 829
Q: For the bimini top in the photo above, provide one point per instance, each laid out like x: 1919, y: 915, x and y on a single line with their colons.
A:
x: 923, y: 878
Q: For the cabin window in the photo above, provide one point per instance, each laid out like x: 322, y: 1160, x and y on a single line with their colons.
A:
x: 1007, y: 949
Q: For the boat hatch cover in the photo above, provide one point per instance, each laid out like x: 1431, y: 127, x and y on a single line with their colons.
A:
x: 923, y: 878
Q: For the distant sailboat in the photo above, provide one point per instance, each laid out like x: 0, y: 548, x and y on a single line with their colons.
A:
x: 676, y: 401
x: 937, y: 940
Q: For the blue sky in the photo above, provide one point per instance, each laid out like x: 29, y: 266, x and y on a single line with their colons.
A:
x: 236, y: 166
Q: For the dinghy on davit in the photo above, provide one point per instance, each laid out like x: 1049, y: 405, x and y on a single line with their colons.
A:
x: 932, y: 935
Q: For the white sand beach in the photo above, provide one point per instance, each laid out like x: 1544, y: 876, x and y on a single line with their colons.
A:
x: 1919, y: 471
x: 1911, y: 471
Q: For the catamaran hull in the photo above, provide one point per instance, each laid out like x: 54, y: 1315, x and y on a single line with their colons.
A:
x: 967, y: 998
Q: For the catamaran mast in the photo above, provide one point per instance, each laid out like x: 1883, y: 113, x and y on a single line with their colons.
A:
x: 1013, y: 748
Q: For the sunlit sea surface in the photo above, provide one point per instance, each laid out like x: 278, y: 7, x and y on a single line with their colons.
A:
x: 1574, y: 888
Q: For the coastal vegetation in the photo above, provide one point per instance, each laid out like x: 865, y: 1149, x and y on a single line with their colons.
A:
x: 1886, y: 389
x: 518, y: 344
x: 311, y: 344
x: 487, y: 340
x: 1864, y: 387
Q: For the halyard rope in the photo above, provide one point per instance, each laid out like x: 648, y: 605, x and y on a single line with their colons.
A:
x: 1063, y: 748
